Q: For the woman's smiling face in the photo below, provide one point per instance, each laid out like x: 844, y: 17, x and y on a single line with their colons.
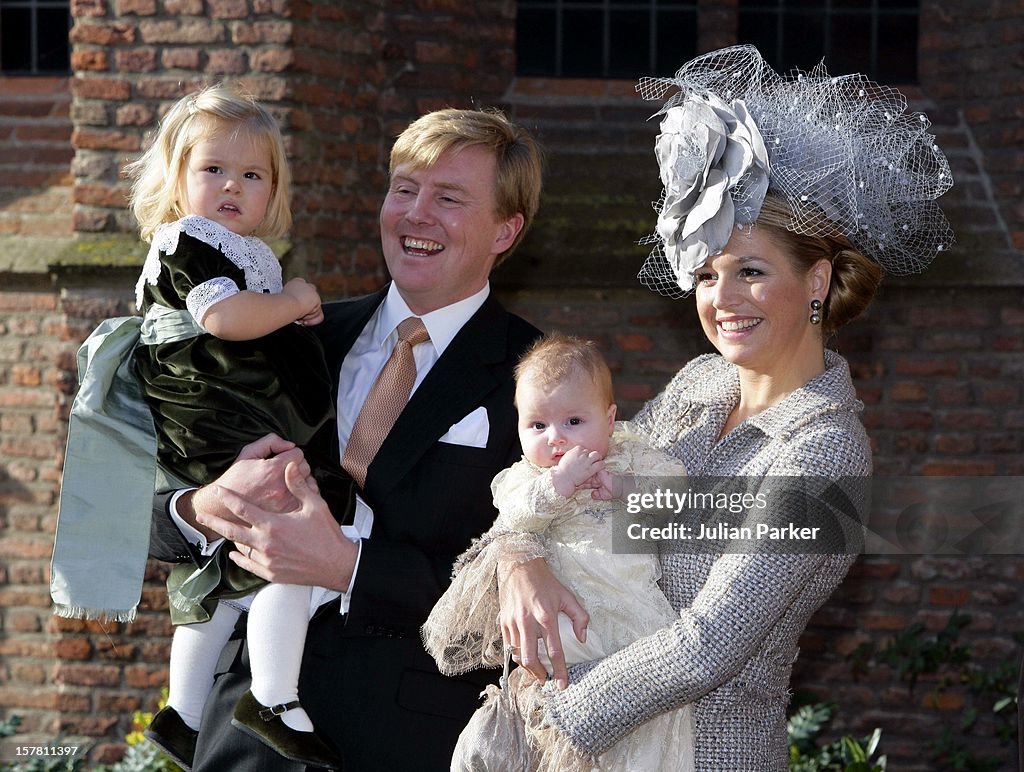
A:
x: 754, y: 304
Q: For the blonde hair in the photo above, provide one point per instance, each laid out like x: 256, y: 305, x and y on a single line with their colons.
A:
x: 158, y: 175
x: 519, y: 165
x: 855, y: 277
x: 556, y: 358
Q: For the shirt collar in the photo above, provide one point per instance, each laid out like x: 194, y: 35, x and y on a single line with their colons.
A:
x: 442, y: 325
x: 718, y: 386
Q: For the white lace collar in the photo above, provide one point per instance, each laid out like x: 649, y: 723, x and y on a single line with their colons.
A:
x: 250, y: 254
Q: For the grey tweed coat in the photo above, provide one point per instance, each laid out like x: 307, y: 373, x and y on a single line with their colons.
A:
x: 741, y: 615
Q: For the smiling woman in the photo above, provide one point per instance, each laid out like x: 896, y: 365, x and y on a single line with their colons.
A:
x: 784, y: 197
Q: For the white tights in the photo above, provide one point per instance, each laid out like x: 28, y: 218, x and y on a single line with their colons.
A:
x: 276, y: 634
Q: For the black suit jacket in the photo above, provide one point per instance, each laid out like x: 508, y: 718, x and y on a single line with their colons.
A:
x: 366, y: 681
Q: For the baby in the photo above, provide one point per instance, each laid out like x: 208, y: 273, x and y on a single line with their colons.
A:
x: 577, y: 465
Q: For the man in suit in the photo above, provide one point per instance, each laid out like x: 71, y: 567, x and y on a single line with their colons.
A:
x: 464, y: 186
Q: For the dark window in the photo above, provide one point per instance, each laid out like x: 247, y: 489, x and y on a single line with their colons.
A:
x: 34, y: 37
x: 876, y: 37
x: 609, y: 39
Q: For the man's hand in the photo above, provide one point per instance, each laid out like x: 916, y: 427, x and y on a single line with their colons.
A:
x: 575, y: 470
x: 531, y: 599
x: 257, y: 474
x: 303, y: 545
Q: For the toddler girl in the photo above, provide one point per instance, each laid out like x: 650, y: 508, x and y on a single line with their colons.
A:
x: 226, y: 357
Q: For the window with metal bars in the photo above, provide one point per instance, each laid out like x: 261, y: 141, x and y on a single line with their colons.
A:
x: 631, y: 38
x: 876, y: 37
x: 604, y: 38
x: 34, y: 37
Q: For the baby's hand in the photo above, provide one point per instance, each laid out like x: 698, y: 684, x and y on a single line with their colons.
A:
x: 575, y: 468
x: 308, y: 300
x: 608, y: 486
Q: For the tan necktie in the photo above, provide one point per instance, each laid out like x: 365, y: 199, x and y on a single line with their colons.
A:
x: 385, y: 402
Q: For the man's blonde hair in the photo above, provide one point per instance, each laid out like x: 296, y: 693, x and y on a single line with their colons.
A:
x: 157, y: 194
x: 556, y: 358
x: 518, y: 162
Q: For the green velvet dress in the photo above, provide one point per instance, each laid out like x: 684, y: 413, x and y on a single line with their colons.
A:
x: 210, y: 397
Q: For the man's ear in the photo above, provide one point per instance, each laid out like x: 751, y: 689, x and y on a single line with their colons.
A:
x: 507, y: 233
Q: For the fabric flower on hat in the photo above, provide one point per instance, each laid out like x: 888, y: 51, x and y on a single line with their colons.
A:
x: 714, y: 168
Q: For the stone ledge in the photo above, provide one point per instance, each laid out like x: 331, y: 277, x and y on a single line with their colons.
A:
x: 41, y: 254
x: 89, y: 252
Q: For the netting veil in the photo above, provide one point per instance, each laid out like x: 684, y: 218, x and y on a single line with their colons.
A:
x: 843, y: 148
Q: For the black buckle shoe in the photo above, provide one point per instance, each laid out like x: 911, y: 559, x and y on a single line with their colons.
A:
x: 173, y: 736
x: 265, y: 724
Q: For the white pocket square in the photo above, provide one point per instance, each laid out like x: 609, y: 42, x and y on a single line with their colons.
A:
x: 472, y: 431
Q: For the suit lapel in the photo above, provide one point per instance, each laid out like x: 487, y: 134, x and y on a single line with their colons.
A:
x: 455, y: 385
x: 343, y: 321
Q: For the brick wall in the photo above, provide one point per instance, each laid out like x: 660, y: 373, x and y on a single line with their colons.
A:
x: 343, y: 79
x: 35, y: 157
x: 938, y: 359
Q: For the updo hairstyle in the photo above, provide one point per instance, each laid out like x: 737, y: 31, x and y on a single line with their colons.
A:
x: 855, y: 277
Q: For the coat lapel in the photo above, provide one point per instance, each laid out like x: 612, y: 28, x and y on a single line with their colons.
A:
x: 343, y: 321
x: 456, y: 384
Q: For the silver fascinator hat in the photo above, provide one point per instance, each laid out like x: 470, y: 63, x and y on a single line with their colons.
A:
x: 845, y: 148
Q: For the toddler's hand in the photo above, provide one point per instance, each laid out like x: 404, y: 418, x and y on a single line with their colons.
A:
x: 307, y: 299
x: 574, y: 469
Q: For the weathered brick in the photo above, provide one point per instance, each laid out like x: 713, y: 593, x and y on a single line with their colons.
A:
x: 101, y: 88
x: 103, y: 33
x: 117, y: 702
x: 183, y: 7
x: 88, y: 220
x: 228, y: 9
x: 92, y: 139
x: 89, y: 60
x: 87, y: 675
x: 187, y: 32
x: 73, y: 648
x: 136, y: 59
x: 246, y: 33
x: 272, y: 60
x: 136, y: 7
x: 147, y: 677
x: 88, y: 8
x: 226, y: 61
x: 28, y: 673
x: 908, y: 391
x: 956, y: 444
x: 180, y: 58
x: 134, y: 115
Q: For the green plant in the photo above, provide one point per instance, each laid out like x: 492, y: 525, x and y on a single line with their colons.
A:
x: 913, y: 653
x: 9, y: 726
x: 846, y: 754
x: 141, y: 756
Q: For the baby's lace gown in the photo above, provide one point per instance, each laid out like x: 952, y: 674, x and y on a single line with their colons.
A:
x: 619, y: 591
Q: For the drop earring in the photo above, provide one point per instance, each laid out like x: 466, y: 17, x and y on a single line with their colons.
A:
x: 815, y: 317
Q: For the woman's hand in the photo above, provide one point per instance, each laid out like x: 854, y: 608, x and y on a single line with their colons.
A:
x: 302, y: 545
x: 531, y: 599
